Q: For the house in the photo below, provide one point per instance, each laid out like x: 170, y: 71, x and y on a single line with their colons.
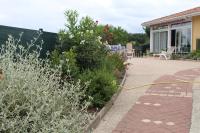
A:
x: 180, y: 30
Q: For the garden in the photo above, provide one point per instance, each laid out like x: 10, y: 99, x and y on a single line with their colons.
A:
x: 194, y: 55
x: 64, y: 91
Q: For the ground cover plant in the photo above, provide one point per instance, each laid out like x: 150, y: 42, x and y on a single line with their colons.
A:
x: 34, y: 98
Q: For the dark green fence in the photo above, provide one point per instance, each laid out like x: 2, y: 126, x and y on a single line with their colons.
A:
x: 50, y: 39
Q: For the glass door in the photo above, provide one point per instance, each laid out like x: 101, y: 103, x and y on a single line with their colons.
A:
x: 163, y: 41
x: 156, y: 40
x: 160, y: 41
x: 183, y: 40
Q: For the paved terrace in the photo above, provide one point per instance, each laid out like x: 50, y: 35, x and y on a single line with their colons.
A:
x: 162, y: 108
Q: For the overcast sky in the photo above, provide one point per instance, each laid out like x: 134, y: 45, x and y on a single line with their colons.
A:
x: 49, y: 14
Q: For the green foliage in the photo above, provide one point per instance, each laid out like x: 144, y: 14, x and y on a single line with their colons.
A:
x: 114, y: 62
x: 87, y: 24
x: 67, y: 36
x: 107, y: 35
x: 112, y: 35
x: 82, y: 37
x: 55, y: 58
x: 89, y: 57
x: 100, y: 30
x: 104, y: 80
x: 175, y: 57
x: 120, y: 36
x: 195, y: 55
x: 102, y: 86
x: 69, y: 66
x: 147, y: 31
x: 32, y: 98
x: 67, y: 61
x: 72, y: 19
x: 138, y: 39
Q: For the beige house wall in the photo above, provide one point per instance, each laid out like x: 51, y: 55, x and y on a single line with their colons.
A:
x: 195, y: 30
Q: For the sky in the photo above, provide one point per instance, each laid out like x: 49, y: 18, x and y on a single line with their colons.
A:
x: 49, y: 14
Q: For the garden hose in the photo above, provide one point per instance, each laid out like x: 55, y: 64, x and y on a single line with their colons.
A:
x: 193, y: 82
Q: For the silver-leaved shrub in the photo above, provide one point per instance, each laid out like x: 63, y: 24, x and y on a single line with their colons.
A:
x: 33, y: 98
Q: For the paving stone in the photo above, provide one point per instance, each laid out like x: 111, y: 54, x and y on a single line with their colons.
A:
x: 170, y: 123
x: 174, y: 114
x: 158, y: 122
x: 125, y: 116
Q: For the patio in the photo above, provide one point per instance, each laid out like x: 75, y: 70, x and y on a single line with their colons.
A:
x: 160, y: 108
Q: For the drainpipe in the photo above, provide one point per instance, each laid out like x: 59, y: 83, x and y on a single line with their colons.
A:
x: 191, y: 45
x: 151, y: 39
x: 169, y: 37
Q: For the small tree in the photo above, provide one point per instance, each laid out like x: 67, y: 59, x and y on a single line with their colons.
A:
x: 120, y: 36
x: 82, y: 37
x: 113, y: 35
x: 147, y: 31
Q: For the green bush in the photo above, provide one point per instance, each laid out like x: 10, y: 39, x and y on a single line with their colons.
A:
x: 55, y: 58
x: 69, y: 66
x: 195, y: 55
x: 83, y: 38
x: 175, y: 57
x: 89, y: 58
x: 67, y: 60
x: 102, y: 86
x: 117, y: 60
x: 103, y: 81
x: 114, y: 63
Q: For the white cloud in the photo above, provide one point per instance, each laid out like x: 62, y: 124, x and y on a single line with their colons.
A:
x: 49, y: 14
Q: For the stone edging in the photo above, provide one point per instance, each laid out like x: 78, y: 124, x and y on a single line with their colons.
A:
x: 195, y: 108
x: 186, y: 60
x: 94, y: 123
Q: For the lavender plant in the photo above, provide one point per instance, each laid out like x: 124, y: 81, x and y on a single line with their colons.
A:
x: 33, y: 98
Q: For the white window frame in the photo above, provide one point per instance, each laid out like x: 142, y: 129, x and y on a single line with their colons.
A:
x: 184, y: 26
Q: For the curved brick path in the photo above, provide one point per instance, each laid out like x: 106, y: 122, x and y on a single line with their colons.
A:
x: 164, y: 108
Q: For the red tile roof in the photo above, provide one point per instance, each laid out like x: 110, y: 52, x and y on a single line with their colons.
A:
x: 173, y: 17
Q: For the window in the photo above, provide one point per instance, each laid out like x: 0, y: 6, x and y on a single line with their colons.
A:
x: 160, y: 41
x: 183, y: 40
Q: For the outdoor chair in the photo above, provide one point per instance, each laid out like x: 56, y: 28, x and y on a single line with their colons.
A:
x: 166, y: 54
x: 129, y: 50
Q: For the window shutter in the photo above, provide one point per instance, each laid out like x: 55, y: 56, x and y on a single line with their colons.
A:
x: 198, y: 44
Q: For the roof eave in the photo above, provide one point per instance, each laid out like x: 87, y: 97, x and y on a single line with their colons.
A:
x: 150, y: 23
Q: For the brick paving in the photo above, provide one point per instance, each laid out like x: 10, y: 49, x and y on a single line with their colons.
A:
x: 164, y: 108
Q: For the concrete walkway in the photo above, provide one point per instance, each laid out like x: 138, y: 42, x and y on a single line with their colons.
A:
x: 162, y: 108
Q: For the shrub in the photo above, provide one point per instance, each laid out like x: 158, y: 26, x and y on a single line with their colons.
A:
x: 69, y: 66
x: 32, y: 98
x: 67, y: 61
x: 195, y: 55
x: 83, y: 38
x: 175, y: 57
x: 55, y: 58
x: 102, y: 86
x: 117, y: 60
x: 114, y: 63
x: 89, y: 57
